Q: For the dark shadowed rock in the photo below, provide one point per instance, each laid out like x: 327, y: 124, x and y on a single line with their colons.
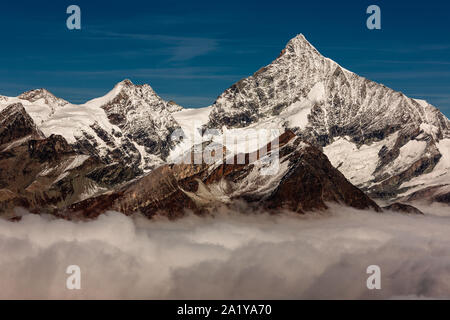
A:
x: 15, y: 123
x: 443, y: 198
x: 45, y: 175
x: 403, y: 208
x: 440, y: 193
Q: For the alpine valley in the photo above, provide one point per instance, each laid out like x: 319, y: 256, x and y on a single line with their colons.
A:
x: 342, y: 138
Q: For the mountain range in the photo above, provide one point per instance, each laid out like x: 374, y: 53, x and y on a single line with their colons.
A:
x: 341, y: 138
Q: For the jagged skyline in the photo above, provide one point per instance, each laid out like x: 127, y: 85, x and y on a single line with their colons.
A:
x: 191, y: 53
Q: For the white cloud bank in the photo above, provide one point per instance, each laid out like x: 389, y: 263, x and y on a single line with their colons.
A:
x: 229, y: 256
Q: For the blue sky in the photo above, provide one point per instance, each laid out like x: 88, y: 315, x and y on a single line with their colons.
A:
x: 191, y: 51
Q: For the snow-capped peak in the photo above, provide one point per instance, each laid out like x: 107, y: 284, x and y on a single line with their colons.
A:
x: 138, y: 96
x: 100, y: 101
x: 299, y: 48
x: 141, y: 115
x: 43, y: 94
x: 325, y: 103
x: 299, y: 40
x: 127, y: 84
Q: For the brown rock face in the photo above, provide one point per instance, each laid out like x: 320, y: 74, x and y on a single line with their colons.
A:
x: 46, y: 174
x: 304, y: 181
x: 51, y: 149
x: 157, y: 193
x: 312, y: 181
x: 403, y: 208
x: 443, y: 198
x: 439, y: 194
x: 389, y: 187
x: 15, y: 123
x: 37, y: 174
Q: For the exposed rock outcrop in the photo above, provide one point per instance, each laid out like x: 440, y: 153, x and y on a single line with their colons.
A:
x: 305, y: 181
x: 403, y: 208
x: 16, y: 123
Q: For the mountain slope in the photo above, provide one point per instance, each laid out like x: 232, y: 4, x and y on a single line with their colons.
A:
x: 305, y: 182
x: 46, y: 174
x: 38, y: 172
x: 16, y: 123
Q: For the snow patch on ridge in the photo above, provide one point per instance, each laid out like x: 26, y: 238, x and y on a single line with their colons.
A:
x: 297, y: 113
x: 356, y: 164
x: 409, y: 153
x: 439, y: 176
x: 98, y: 102
x: 77, y: 162
x: 189, y: 120
x: 72, y: 120
x: 236, y: 140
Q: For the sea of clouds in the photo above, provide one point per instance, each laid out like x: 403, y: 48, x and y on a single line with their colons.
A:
x: 228, y: 256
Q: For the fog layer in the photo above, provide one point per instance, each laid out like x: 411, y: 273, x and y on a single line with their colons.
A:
x: 228, y: 256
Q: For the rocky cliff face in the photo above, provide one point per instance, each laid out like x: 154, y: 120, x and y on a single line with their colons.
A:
x: 143, y: 117
x: 15, y: 123
x: 46, y: 174
x: 306, y: 181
